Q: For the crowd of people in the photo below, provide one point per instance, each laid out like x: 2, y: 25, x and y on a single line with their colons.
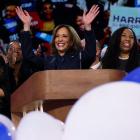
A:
x: 51, y: 35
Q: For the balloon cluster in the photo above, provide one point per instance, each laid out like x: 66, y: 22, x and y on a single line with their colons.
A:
x: 102, y: 113
x: 34, y: 126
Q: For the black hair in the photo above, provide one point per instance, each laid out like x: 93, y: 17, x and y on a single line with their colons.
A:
x: 111, y: 61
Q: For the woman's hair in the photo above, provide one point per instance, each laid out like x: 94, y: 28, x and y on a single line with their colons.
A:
x: 111, y: 61
x: 75, y: 41
x: 10, y: 53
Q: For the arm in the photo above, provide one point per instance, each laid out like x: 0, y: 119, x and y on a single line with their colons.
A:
x: 89, y: 53
x: 26, y: 40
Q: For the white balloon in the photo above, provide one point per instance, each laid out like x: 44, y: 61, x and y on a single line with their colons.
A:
x: 39, y: 126
x: 8, y: 125
x: 108, y: 112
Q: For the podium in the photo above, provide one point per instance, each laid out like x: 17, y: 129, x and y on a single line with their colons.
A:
x: 57, y: 90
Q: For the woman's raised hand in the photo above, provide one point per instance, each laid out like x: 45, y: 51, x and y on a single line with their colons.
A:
x: 90, y: 16
x: 24, y: 17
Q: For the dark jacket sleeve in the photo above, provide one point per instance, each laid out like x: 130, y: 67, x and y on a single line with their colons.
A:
x: 89, y: 53
x: 28, y: 55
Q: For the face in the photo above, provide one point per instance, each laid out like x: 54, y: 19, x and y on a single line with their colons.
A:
x: 62, y: 40
x: 10, y: 11
x: 48, y: 10
x: 127, y: 41
x: 15, y: 51
x: 18, y: 52
x: 79, y: 22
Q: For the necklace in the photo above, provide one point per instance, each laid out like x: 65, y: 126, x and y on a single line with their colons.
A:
x: 123, y: 58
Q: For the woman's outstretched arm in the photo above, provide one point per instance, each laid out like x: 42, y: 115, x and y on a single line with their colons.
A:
x: 26, y: 40
x: 89, y: 53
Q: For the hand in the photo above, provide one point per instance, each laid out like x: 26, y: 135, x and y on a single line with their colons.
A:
x: 24, y: 17
x: 90, y: 16
x: 1, y: 93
